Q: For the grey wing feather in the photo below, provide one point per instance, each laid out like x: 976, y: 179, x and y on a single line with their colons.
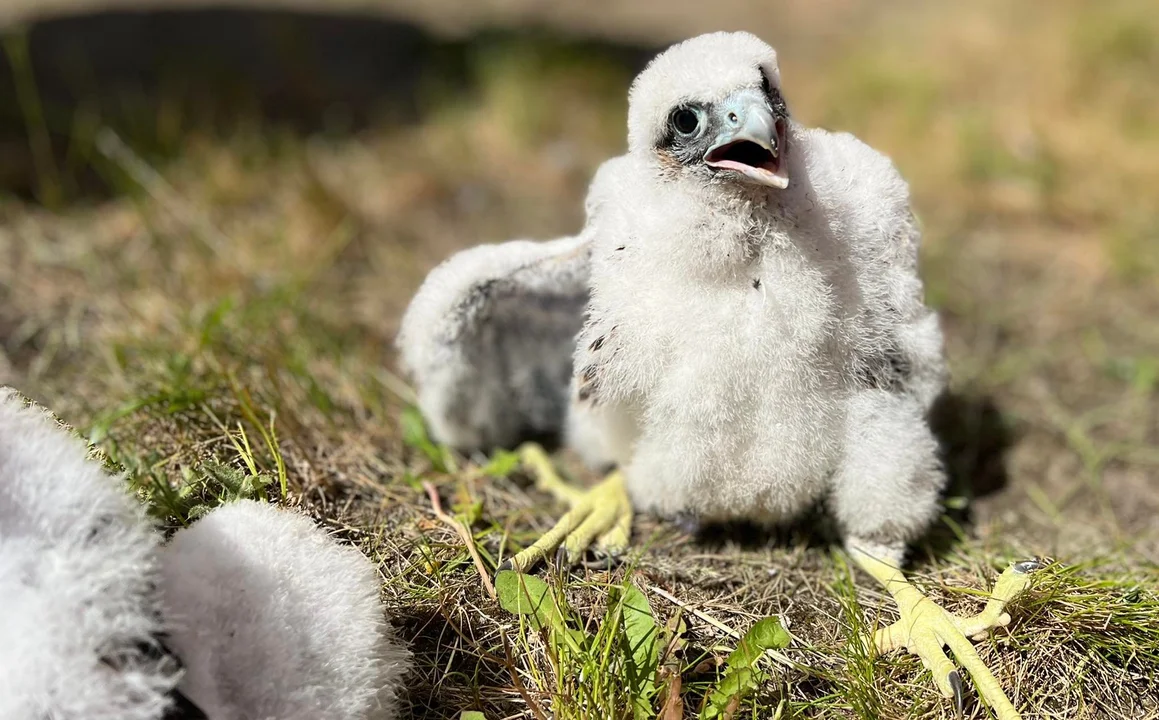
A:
x: 918, y: 332
x: 906, y: 353
x: 489, y: 339
x: 901, y: 339
x: 904, y: 348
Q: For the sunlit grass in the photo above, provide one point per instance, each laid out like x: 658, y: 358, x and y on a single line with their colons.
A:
x: 220, y: 321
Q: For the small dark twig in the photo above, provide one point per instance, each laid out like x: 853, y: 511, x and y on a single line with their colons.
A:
x: 531, y: 704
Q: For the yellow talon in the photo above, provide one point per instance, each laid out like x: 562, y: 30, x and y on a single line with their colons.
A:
x: 601, y: 516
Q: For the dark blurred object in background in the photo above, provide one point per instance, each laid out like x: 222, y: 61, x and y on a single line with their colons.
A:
x: 159, y: 75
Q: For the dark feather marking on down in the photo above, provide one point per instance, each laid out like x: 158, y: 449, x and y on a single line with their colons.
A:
x: 890, y: 370
x: 586, y: 393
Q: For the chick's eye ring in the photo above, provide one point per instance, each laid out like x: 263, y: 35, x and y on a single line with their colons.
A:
x: 685, y: 120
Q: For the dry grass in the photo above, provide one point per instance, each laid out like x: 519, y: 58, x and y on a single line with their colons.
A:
x: 222, y: 321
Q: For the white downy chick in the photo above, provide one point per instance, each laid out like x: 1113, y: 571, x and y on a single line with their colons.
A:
x: 754, y: 329
x: 273, y: 619
x: 756, y: 339
x: 79, y: 612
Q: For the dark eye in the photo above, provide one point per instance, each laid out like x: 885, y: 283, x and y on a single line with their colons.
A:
x: 685, y: 120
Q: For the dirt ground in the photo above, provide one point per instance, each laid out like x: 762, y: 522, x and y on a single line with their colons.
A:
x: 200, y: 242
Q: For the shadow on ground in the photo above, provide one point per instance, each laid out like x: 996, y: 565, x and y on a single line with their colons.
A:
x: 976, y: 441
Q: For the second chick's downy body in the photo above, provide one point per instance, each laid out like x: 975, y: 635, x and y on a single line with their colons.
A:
x: 750, y: 350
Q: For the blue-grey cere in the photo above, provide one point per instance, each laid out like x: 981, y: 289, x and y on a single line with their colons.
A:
x: 697, y: 128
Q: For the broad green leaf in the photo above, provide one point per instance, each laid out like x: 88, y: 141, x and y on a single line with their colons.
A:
x: 414, y: 434
x: 763, y: 635
x: 642, y: 637
x: 741, y: 675
x: 472, y: 715
x: 640, y: 629
x: 528, y: 595
x: 502, y: 463
x: 414, y: 431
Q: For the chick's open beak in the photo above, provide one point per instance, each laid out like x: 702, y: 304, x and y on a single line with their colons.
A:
x: 752, y: 140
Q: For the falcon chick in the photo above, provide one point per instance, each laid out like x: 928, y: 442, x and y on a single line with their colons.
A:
x: 755, y: 339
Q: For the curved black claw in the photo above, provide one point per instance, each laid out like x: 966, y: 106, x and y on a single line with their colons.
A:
x: 505, y: 565
x: 562, y: 558
x: 956, y: 684
x: 602, y: 562
x: 1028, y: 566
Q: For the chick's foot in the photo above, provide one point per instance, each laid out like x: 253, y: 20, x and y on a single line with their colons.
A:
x: 925, y: 628
x: 599, y: 518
